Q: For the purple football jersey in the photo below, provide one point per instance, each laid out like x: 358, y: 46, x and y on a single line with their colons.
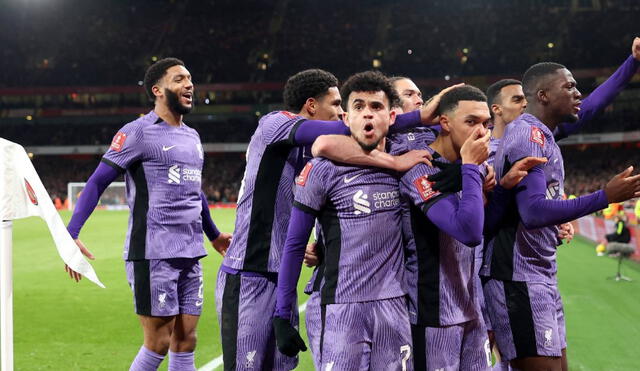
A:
x: 163, y: 171
x: 359, y: 210
x: 517, y: 253
x: 494, y: 143
x: 415, y: 138
x: 266, y: 194
x: 443, y: 267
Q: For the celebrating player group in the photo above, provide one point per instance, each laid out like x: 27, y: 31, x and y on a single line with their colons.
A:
x: 436, y: 222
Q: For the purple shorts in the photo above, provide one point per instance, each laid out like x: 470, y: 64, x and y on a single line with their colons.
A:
x: 373, y: 335
x: 166, y: 287
x: 246, y: 304
x: 527, y: 318
x: 464, y: 346
x: 313, y: 321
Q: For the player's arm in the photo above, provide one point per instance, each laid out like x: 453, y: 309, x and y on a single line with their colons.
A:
x: 537, y: 211
x: 219, y: 240
x: 307, y: 131
x: 502, y: 197
x: 604, y: 94
x: 346, y: 150
x: 288, y: 339
x: 97, y: 183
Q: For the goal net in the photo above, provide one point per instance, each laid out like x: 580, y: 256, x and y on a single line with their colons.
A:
x: 113, y: 198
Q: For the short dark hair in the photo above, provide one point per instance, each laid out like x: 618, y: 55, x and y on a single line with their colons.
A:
x: 450, y: 99
x: 370, y: 81
x: 493, y: 91
x: 156, y: 71
x: 535, y: 75
x: 312, y: 83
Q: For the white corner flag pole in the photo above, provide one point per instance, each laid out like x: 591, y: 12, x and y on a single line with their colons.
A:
x: 6, y: 293
x: 22, y: 195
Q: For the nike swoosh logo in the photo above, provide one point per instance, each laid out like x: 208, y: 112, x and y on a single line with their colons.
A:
x: 348, y: 180
x: 198, y: 303
x: 165, y: 148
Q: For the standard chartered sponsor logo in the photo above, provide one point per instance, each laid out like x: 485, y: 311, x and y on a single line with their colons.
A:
x: 174, y: 174
x: 178, y: 175
x: 380, y: 200
x: 386, y: 199
x: 360, y: 203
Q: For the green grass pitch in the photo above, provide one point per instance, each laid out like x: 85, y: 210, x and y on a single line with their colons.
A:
x: 61, y: 325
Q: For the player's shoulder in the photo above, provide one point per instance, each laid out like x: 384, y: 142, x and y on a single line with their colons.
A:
x: 140, y: 124
x: 279, y: 118
x: 318, y: 169
x: 191, y: 130
x: 526, y: 128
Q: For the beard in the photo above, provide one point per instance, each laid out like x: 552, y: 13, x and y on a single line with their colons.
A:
x: 174, y: 103
x: 370, y: 146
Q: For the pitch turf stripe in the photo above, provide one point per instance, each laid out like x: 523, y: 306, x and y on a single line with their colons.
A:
x: 217, y: 362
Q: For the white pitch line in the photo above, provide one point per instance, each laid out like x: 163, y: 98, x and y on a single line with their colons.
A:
x: 217, y: 362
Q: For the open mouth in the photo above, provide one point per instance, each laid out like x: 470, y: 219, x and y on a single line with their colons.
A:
x: 576, y: 106
x: 188, y: 97
x: 368, y: 128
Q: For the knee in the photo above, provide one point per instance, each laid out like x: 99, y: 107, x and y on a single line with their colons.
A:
x: 184, y: 342
x: 158, y: 344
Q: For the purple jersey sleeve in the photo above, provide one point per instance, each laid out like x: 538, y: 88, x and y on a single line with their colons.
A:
x: 126, y: 146
x: 405, y: 121
x: 310, y: 192
x: 460, y: 218
x: 208, y: 226
x: 536, y: 211
x: 600, y: 98
x: 97, y: 183
x: 300, y: 226
x: 529, y: 140
x: 309, y: 130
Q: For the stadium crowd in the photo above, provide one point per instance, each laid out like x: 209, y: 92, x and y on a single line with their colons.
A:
x: 228, y: 44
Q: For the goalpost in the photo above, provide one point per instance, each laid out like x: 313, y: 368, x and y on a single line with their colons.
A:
x: 113, y: 198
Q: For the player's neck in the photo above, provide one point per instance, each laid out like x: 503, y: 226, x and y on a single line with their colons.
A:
x: 167, y: 115
x: 444, y: 146
x: 547, y: 119
x: 498, y: 128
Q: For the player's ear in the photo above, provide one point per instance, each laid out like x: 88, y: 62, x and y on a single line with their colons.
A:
x: 392, y: 117
x: 311, y: 105
x: 445, y: 123
x: 157, y: 91
x: 542, y: 96
x: 496, y: 109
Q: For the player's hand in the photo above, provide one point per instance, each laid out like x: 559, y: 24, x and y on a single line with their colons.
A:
x: 623, y: 186
x: 288, y: 339
x: 475, y: 149
x: 221, y: 244
x: 519, y: 170
x: 448, y: 179
x: 429, y: 110
x: 408, y: 160
x: 489, y: 180
x: 635, y: 48
x: 73, y: 274
x: 566, y: 232
x: 311, y: 258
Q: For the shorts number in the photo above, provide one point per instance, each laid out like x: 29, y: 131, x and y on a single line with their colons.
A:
x: 406, y: 349
x: 200, y: 293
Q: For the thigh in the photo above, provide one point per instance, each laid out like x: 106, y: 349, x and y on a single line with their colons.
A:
x: 346, y: 339
x: 391, y: 338
x: 246, y: 309
x: 155, y: 287
x: 476, y: 352
x: 190, y: 287
x: 443, y: 347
